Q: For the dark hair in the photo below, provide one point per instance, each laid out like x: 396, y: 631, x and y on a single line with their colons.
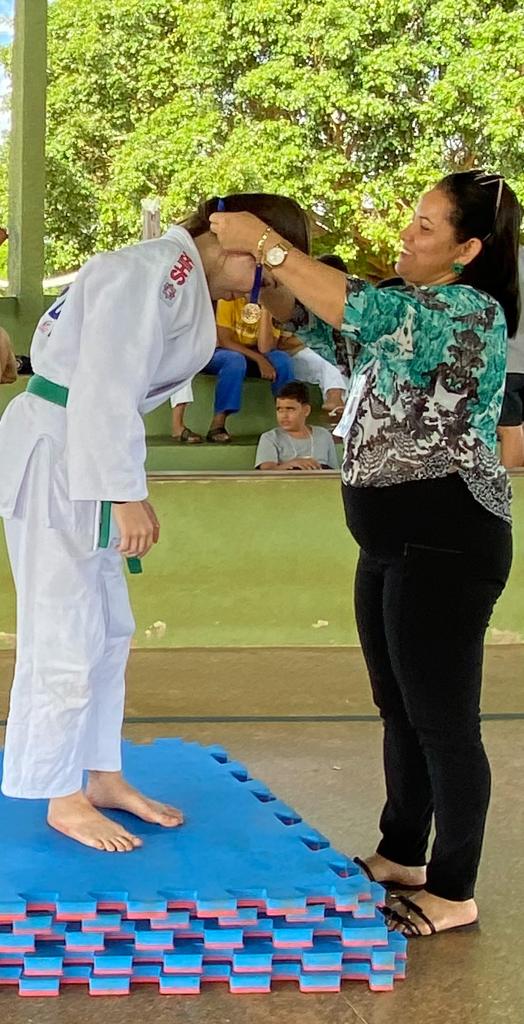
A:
x: 296, y: 390
x: 485, y: 207
x: 282, y: 214
x: 332, y: 260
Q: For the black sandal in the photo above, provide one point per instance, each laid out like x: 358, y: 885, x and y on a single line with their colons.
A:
x: 405, y: 924
x: 218, y: 435
x: 389, y: 883
x: 187, y: 437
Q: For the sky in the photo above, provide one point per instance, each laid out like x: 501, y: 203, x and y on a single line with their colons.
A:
x: 6, y: 14
x: 6, y: 32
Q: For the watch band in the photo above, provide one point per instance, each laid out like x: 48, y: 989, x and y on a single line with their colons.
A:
x: 261, y: 242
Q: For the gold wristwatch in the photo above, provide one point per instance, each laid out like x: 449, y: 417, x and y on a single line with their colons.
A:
x: 275, y: 256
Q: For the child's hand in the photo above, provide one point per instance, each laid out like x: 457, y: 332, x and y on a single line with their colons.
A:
x: 267, y: 370
x: 303, y: 464
x: 139, y: 528
x: 152, y: 515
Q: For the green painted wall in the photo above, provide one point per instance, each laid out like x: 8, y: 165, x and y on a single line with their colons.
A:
x: 258, y: 561
x: 20, y: 311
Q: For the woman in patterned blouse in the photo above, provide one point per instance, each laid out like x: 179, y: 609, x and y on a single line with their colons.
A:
x: 429, y: 505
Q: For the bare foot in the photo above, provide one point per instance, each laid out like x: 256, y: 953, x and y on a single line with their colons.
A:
x: 444, y: 914
x: 384, y: 870
x: 76, y: 818
x: 109, y: 789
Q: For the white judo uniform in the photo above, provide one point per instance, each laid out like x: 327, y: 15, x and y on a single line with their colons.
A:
x: 135, y: 325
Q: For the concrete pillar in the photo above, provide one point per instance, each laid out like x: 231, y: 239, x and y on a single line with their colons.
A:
x: 27, y: 169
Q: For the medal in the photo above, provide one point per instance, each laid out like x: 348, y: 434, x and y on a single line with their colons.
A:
x: 252, y: 311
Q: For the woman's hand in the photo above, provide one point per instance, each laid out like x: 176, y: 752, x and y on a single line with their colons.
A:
x: 139, y: 527
x: 237, y: 232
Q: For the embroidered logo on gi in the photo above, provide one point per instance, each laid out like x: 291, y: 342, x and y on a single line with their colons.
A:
x: 181, y: 270
x: 168, y: 291
x: 178, y: 275
x: 46, y: 326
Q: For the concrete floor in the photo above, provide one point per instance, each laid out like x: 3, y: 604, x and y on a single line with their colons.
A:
x: 330, y: 771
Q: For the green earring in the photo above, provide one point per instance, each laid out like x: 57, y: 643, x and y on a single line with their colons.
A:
x: 457, y: 268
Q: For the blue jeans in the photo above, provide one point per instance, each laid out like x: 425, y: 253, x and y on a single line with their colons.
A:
x: 231, y: 368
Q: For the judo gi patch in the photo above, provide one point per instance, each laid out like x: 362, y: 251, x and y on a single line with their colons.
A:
x: 178, y: 276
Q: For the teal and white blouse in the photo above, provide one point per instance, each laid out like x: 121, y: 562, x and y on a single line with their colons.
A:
x: 428, y: 383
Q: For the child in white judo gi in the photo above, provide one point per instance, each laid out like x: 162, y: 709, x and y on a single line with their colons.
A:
x: 134, y: 326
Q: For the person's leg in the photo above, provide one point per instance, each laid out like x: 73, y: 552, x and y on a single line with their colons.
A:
x: 179, y: 402
x: 406, y: 818
x: 437, y: 607
x: 60, y: 638
x: 230, y: 369
x: 283, y: 365
x: 177, y: 418
x: 106, y: 787
x: 312, y: 368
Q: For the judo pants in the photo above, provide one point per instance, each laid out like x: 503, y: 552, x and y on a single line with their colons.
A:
x: 74, y: 627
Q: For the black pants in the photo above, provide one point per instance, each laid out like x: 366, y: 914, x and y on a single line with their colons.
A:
x: 432, y: 565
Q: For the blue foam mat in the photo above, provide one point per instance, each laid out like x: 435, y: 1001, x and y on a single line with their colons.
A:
x: 240, y: 845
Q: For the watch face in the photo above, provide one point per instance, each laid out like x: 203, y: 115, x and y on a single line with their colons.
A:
x: 276, y: 256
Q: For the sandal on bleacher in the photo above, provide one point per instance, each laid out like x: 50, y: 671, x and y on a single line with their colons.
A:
x: 218, y: 435
x: 337, y: 412
x: 187, y: 437
x: 405, y: 924
x: 388, y: 883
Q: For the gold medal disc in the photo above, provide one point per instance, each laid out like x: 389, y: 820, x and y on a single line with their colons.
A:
x: 251, y: 313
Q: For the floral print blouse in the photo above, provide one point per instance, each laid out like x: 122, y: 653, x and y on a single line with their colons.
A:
x: 428, y: 383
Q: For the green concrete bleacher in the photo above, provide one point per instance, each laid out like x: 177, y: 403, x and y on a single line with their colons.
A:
x: 257, y: 414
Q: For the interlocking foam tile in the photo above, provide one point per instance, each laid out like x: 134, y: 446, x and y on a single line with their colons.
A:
x: 144, y: 943
x: 192, y: 958
x: 245, y: 893
x: 241, y: 847
x: 252, y: 970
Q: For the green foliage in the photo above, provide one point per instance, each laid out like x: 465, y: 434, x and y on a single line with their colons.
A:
x: 351, y: 108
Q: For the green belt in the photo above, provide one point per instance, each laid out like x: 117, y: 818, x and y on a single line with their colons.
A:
x: 58, y: 395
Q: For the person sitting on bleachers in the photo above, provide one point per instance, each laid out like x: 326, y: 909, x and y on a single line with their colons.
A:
x: 313, y: 346
x: 8, y: 371
x: 294, y: 445
x: 242, y: 350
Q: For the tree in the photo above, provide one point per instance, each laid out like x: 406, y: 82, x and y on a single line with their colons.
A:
x: 351, y: 109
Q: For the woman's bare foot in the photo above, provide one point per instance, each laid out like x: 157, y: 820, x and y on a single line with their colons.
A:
x: 444, y: 914
x: 384, y: 870
x: 76, y: 818
x: 109, y: 789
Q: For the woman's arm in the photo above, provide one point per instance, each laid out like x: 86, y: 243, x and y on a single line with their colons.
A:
x: 319, y: 287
